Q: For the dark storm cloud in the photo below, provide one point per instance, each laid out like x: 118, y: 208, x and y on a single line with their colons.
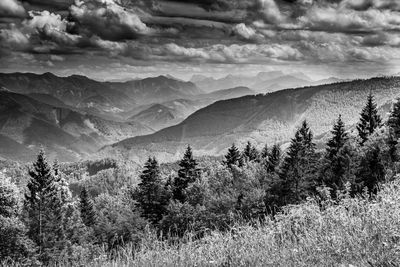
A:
x: 51, y: 5
x: 205, y: 31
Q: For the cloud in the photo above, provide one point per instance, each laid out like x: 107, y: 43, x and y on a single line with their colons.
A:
x: 41, y: 19
x: 11, y: 8
x: 13, y: 38
x: 108, y: 19
x: 366, y: 4
x: 340, y: 19
x: 250, y: 53
x: 56, y: 58
x: 247, y: 33
x: 270, y: 11
x: 51, y: 27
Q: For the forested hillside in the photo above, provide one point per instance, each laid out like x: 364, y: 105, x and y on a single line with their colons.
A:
x: 300, y: 205
x: 272, y: 117
x: 28, y: 124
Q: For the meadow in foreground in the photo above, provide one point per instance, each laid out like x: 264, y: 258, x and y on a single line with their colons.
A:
x: 358, y: 231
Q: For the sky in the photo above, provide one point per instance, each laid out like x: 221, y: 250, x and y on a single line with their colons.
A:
x: 126, y: 39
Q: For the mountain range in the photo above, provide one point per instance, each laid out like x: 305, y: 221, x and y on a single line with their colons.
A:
x: 263, y: 82
x: 270, y: 118
x: 72, y: 117
x: 75, y: 117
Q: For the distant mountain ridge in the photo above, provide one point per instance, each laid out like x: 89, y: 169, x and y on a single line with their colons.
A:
x: 98, y: 97
x: 261, y: 118
x: 66, y: 133
x: 156, y: 89
x: 262, y: 82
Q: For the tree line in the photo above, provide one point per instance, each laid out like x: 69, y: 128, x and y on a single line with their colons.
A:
x: 44, y: 224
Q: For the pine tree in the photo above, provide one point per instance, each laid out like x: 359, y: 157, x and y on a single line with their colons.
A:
x: 265, y: 152
x: 152, y: 196
x: 369, y: 120
x: 187, y: 174
x: 250, y: 153
x: 274, y: 158
x: 394, y: 119
x: 298, y: 170
x: 45, y: 201
x: 371, y: 170
x: 233, y: 157
x: 339, y: 138
x: 88, y: 213
x: 337, y: 159
x: 38, y: 199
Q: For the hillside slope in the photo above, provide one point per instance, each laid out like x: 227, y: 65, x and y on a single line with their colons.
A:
x: 66, y: 133
x: 263, y: 118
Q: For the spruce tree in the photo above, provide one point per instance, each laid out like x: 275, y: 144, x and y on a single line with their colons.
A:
x: 250, y: 153
x: 88, y: 213
x: 38, y: 199
x: 371, y: 170
x: 336, y: 162
x: 265, y: 152
x: 339, y: 138
x: 274, y: 158
x: 233, y: 157
x: 187, y: 174
x: 369, y: 120
x: 394, y: 119
x: 151, y: 195
x: 298, y: 170
x: 45, y: 201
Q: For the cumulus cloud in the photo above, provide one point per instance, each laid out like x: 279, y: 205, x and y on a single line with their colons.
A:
x: 108, y: 19
x: 331, y: 18
x: 247, y: 33
x: 250, y: 53
x: 13, y: 38
x: 51, y: 26
x: 11, y: 8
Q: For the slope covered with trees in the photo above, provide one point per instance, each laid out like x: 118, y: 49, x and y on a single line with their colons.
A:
x: 272, y: 117
x: 109, y: 213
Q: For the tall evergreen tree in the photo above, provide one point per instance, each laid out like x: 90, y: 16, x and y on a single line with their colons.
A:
x: 88, y: 213
x: 371, y: 170
x: 233, y: 157
x: 151, y: 195
x: 394, y: 119
x: 45, y: 201
x: 38, y: 198
x: 274, y: 158
x: 187, y: 174
x: 250, y: 153
x: 298, y: 170
x: 265, y: 152
x: 337, y: 159
x: 369, y: 120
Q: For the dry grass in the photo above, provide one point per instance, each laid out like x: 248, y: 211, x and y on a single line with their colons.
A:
x: 357, y: 232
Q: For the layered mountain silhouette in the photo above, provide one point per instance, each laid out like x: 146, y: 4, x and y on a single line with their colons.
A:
x: 28, y: 124
x: 262, y: 82
x: 261, y: 118
x: 72, y: 117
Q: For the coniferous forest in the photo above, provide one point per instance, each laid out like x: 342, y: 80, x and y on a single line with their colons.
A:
x: 256, y: 206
